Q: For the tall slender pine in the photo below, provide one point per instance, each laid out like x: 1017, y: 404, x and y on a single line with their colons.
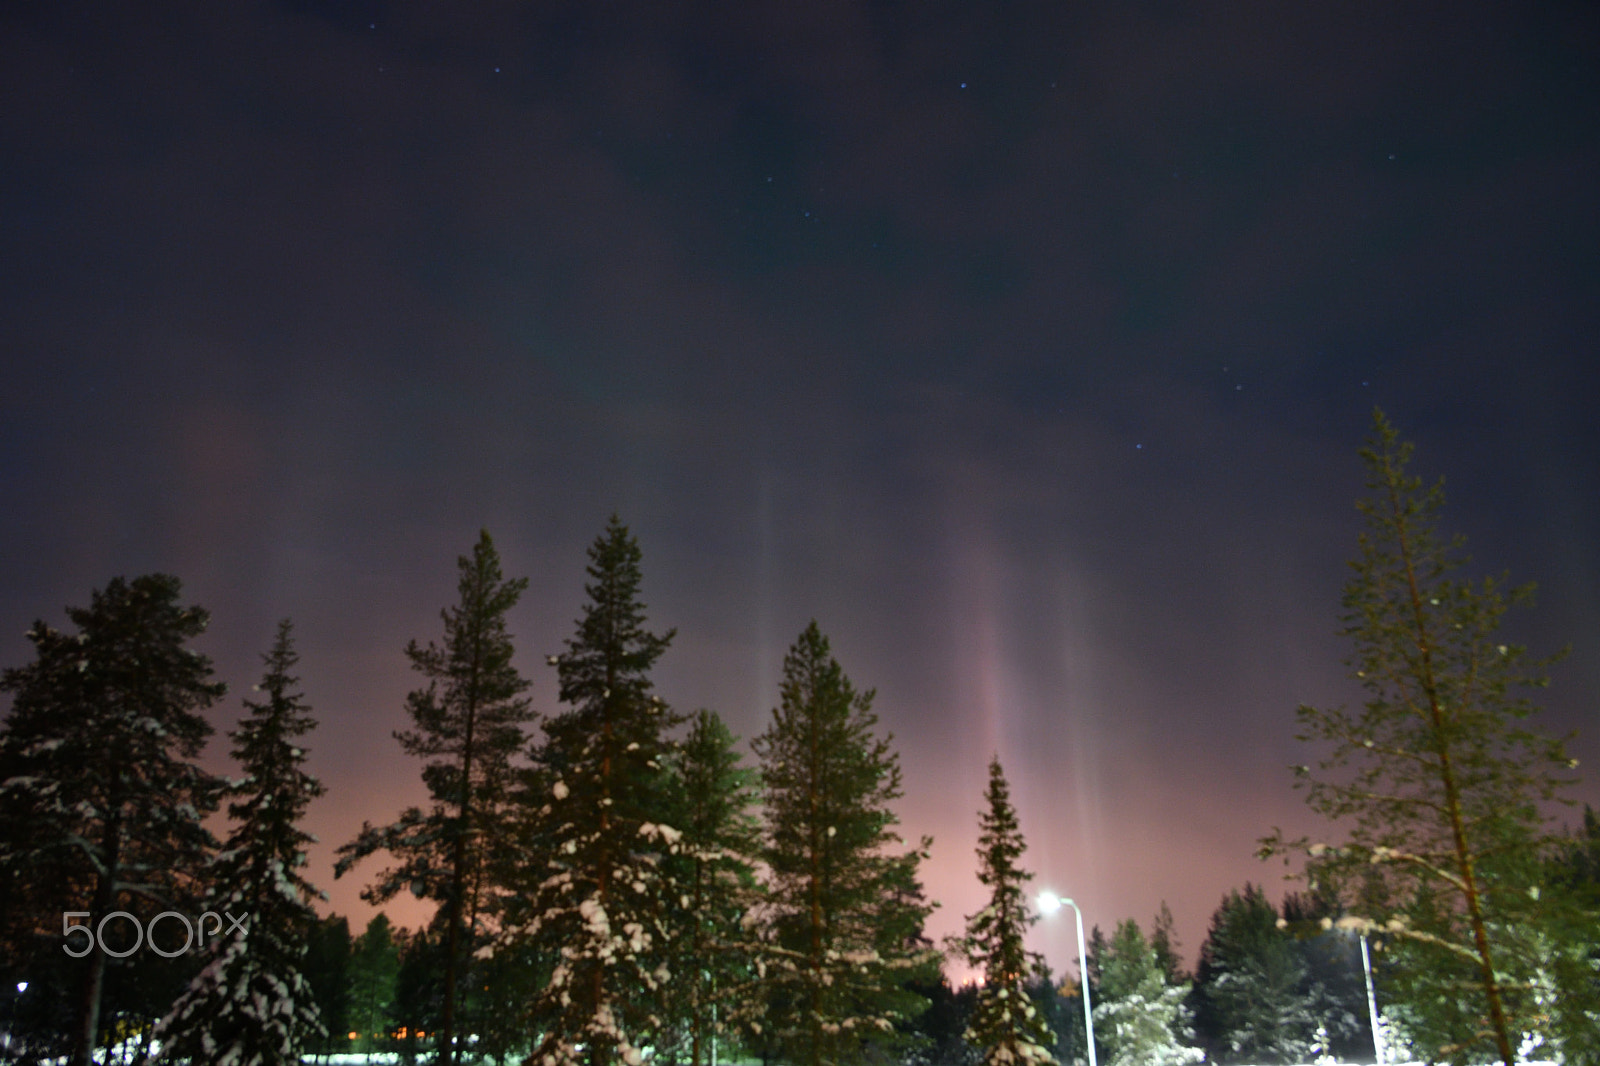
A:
x: 1005, y: 1024
x: 251, y: 1005
x: 599, y: 903
x: 468, y: 725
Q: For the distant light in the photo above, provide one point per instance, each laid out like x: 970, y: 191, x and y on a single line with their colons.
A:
x: 22, y: 986
x: 1049, y: 902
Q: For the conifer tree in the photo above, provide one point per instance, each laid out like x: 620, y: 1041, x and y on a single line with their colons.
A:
x: 1573, y: 990
x: 599, y: 905
x: 714, y: 951
x: 327, y: 968
x: 1439, y: 781
x: 374, y: 975
x: 101, y: 800
x: 1140, y: 1016
x: 1164, y: 942
x: 1006, y: 1024
x: 1251, y: 1000
x: 845, y: 911
x: 252, y: 1005
x: 468, y: 725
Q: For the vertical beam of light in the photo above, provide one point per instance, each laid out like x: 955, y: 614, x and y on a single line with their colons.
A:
x: 765, y: 659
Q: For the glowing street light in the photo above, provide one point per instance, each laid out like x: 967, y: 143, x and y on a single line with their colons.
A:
x: 1372, y: 1001
x: 1049, y: 903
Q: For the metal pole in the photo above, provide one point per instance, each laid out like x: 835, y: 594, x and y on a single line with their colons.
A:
x: 1372, y: 1001
x: 1083, y: 981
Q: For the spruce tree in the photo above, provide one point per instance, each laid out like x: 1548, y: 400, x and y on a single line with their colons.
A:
x: 1164, y: 942
x: 1573, y: 989
x: 714, y: 951
x: 845, y: 910
x: 327, y: 968
x: 374, y: 974
x: 1006, y: 1024
x: 1252, y: 1003
x: 468, y: 725
x: 102, y: 801
x: 1439, y: 781
x: 1140, y: 1016
x: 599, y: 904
x: 252, y: 1005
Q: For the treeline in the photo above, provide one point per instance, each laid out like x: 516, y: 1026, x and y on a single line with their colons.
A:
x: 613, y: 882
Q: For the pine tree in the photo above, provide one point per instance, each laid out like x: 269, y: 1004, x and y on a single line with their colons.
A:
x: 1440, y: 782
x: 938, y: 1036
x: 1573, y: 991
x: 845, y: 913
x: 468, y: 725
x: 1139, y: 1015
x: 374, y: 975
x: 714, y: 951
x: 599, y: 904
x: 327, y: 968
x: 1006, y: 1024
x: 103, y: 804
x: 1335, y: 980
x: 1164, y: 942
x: 1251, y: 1000
x: 251, y: 1005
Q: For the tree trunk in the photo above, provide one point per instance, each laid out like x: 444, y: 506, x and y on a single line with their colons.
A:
x: 94, y: 977
x: 458, y: 870
x: 1452, y: 797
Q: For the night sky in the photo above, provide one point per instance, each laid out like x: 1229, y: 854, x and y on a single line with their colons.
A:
x: 1025, y: 346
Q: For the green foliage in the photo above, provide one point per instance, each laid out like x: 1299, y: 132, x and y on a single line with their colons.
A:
x: 327, y: 968
x: 251, y: 1005
x: 1251, y: 1000
x: 374, y: 978
x: 101, y: 804
x: 1571, y: 985
x: 845, y: 914
x: 1164, y: 942
x: 599, y: 904
x: 468, y: 726
x: 1006, y: 1023
x: 713, y: 950
x: 1439, y: 781
x: 1140, y: 1017
x: 937, y: 1036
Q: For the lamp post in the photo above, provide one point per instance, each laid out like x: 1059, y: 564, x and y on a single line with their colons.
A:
x: 1372, y: 1001
x: 1049, y: 903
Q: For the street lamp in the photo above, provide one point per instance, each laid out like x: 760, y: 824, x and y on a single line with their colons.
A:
x: 1049, y: 903
x: 1372, y: 1001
